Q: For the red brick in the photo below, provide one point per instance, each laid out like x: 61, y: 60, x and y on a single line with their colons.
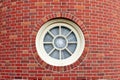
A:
x: 64, y: 78
x: 81, y: 78
x: 20, y: 21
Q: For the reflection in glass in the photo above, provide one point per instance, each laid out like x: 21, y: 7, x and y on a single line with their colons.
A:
x: 64, y: 30
x: 72, y: 47
x: 55, y: 54
x: 71, y: 37
x: 48, y: 38
x: 55, y: 30
x: 48, y: 47
x: 65, y: 54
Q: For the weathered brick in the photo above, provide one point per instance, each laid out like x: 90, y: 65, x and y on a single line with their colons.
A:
x: 32, y: 64
x: 48, y: 78
x: 12, y: 36
x: 55, y: 0
x: 79, y: 7
x: 4, y: 32
x: 32, y: 10
x: 27, y: 23
x: 39, y: 3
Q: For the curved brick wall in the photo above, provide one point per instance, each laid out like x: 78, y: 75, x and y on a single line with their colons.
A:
x: 20, y: 21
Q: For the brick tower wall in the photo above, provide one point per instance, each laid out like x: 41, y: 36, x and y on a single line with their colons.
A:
x: 20, y: 21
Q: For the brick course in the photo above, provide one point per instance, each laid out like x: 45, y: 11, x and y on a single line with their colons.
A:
x: 20, y: 21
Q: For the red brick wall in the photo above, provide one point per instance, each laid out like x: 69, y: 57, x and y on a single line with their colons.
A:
x: 20, y: 21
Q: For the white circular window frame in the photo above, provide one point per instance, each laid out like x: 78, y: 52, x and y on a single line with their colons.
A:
x: 56, y: 62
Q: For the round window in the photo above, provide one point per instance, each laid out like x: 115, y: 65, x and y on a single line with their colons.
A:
x: 60, y: 42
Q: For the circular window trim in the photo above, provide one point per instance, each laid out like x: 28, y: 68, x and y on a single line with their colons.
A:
x: 40, y: 47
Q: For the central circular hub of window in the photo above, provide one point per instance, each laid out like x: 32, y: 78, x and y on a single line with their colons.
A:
x: 60, y: 42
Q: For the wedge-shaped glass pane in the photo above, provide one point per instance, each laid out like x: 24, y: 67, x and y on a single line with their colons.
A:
x: 55, y: 54
x: 72, y: 47
x: 48, y: 38
x: 72, y: 37
x: 48, y: 47
x: 55, y: 30
x: 64, y: 30
x: 65, y: 54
